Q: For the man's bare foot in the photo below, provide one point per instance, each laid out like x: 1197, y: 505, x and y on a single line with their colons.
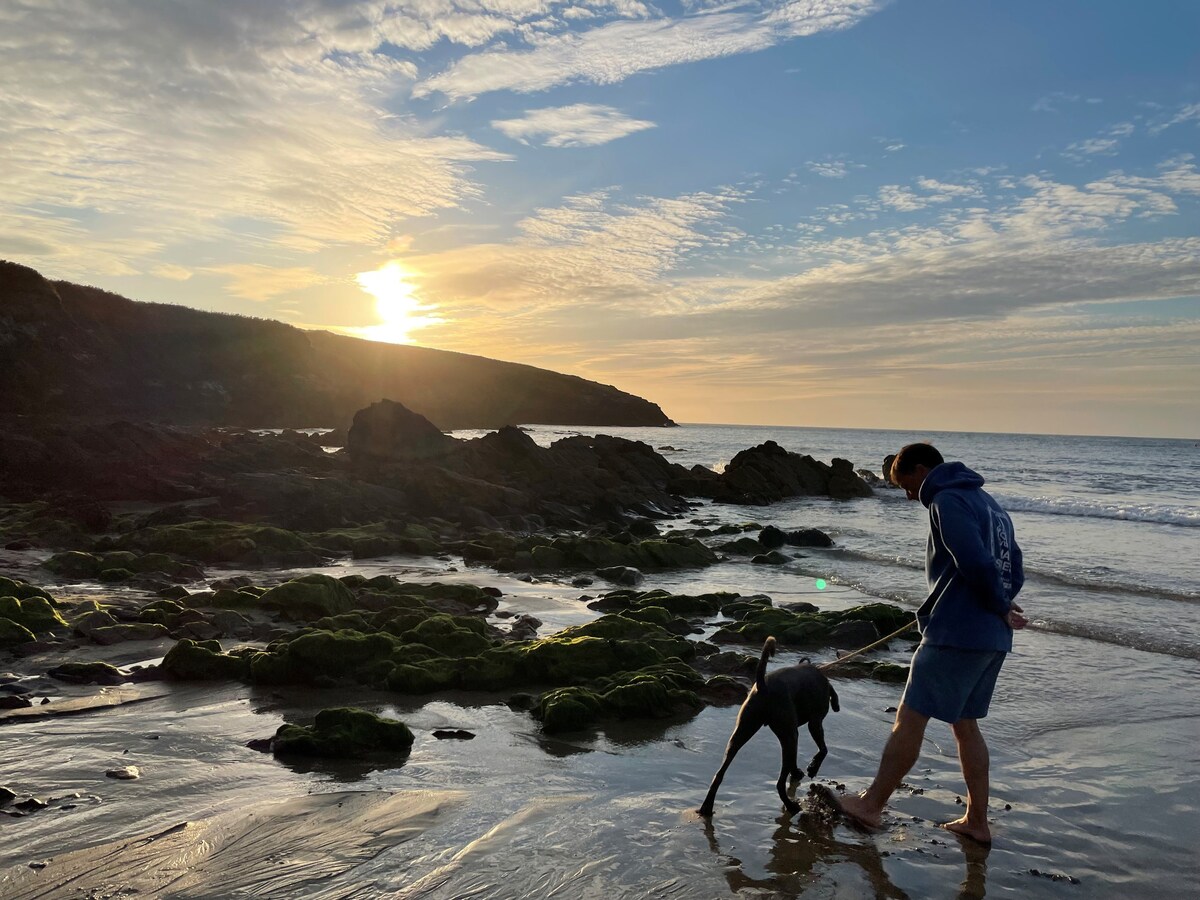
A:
x: 853, y: 807
x: 976, y: 832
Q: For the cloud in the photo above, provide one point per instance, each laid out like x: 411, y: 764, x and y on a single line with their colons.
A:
x: 1187, y: 113
x: 578, y: 125
x: 1055, y: 101
x: 172, y: 272
x: 1025, y: 245
x: 261, y: 283
x: 164, y: 125
x: 831, y: 169
x: 615, y: 50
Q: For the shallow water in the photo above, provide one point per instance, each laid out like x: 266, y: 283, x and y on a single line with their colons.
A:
x: 1094, y: 752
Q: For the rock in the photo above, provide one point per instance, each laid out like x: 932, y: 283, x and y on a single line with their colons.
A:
x: 524, y: 628
x: 767, y: 473
x: 34, y: 613
x: 772, y: 538
x: 626, y: 575
x: 853, y: 634
x: 125, y: 773
x: 6, y: 795
x: 260, y: 745
x: 14, y: 701
x: 800, y: 606
x: 90, y: 622
x: 19, y: 544
x: 808, y: 537
x: 388, y: 432
x: 87, y: 673
x: 774, y: 558
x: 74, y: 564
x: 310, y: 597
x: 344, y: 732
x: 453, y: 733
x: 887, y: 469
x: 203, y: 661
x: 13, y: 634
x: 721, y: 690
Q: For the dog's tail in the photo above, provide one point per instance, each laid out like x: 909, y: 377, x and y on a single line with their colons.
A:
x: 833, y: 700
x: 760, y: 677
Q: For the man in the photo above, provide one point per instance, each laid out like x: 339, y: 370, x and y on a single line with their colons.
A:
x: 973, y: 567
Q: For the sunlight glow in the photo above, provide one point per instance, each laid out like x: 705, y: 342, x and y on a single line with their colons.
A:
x: 400, y: 311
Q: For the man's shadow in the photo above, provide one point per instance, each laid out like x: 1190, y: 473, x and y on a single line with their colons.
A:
x: 802, y: 842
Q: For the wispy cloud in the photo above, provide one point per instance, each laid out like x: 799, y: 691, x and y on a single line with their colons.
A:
x: 615, y: 50
x: 166, y: 126
x: 261, y: 283
x: 578, y: 125
x: 1057, y: 100
x: 829, y: 169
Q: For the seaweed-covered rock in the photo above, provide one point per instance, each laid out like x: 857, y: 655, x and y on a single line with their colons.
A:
x: 310, y: 597
x: 88, y: 673
x: 74, y: 564
x: 805, y: 629
x: 22, y: 590
x: 685, y: 605
x: 343, y: 732
x: 450, y: 635
x: 214, y: 541
x: 320, y: 655
x: 12, y: 634
x: 203, y: 661
x: 34, y: 613
x: 653, y: 692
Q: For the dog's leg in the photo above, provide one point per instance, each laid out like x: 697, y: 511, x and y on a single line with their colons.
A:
x: 817, y: 729
x: 788, y: 741
x: 742, y: 733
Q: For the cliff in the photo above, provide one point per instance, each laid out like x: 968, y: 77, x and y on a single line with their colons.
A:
x: 71, y: 351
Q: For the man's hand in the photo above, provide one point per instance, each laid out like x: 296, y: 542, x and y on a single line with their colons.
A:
x: 1016, y: 621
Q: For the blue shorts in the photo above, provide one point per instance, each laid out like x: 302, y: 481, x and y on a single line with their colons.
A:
x: 949, y: 683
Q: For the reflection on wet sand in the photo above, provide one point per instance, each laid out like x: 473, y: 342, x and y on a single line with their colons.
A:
x: 804, y: 847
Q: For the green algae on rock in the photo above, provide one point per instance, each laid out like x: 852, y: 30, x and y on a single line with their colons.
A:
x: 654, y: 692
x: 343, y: 732
x: 33, y: 613
x: 310, y: 596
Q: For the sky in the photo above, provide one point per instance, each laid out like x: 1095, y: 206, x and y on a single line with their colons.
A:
x: 917, y: 214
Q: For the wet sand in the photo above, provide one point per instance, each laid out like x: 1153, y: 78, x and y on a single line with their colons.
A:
x: 1094, y: 756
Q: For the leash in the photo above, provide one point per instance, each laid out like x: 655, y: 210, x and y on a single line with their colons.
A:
x: 882, y: 640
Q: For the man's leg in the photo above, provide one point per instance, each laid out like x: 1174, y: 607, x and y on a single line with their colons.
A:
x: 973, y: 757
x: 899, y: 756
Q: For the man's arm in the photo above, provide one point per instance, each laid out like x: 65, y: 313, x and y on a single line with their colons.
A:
x: 962, y: 534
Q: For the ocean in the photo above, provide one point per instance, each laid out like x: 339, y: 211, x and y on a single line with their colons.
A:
x: 1110, y: 526
x: 1094, y: 731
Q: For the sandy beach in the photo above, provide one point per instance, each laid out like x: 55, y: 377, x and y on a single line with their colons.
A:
x: 516, y: 813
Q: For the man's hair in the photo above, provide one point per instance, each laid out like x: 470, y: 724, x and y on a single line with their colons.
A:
x: 913, y: 455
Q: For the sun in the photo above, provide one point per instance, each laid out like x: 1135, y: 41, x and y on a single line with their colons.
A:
x: 400, y: 312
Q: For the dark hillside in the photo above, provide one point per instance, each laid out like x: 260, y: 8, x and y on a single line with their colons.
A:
x: 74, y: 351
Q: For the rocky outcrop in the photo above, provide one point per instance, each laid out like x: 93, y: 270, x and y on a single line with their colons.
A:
x: 78, y: 351
x: 387, y: 432
x: 769, y: 473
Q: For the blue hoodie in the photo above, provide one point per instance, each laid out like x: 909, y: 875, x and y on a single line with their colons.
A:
x: 972, y: 563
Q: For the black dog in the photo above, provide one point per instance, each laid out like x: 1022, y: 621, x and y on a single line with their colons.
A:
x: 783, y: 700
